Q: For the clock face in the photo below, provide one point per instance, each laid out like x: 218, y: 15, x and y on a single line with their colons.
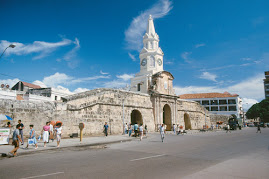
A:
x: 144, y: 62
x: 159, y: 62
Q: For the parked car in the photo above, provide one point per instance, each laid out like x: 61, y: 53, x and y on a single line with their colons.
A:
x: 250, y: 125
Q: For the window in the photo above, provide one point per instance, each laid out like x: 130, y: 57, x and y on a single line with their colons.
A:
x: 165, y: 85
x: 138, y: 86
x: 207, y: 108
x: 152, y: 61
x: 231, y: 101
x: 223, y: 108
x: 205, y: 102
x: 223, y: 101
x: 214, y: 102
x: 232, y: 108
x: 214, y: 109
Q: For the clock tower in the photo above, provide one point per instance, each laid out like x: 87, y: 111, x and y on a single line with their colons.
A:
x: 151, y: 59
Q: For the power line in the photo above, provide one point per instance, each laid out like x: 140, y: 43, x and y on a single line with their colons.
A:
x: 15, y: 77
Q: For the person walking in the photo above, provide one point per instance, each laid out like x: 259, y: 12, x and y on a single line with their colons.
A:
x: 32, y: 136
x: 21, y: 130
x: 51, y: 136
x: 162, y: 131
x: 146, y: 129
x: 259, y: 128
x: 45, y: 131
x: 141, y: 131
x: 228, y: 129
x: 16, y: 137
x: 178, y: 130
x: 126, y: 128
x: 59, y: 132
x: 106, y: 129
x: 130, y: 127
x: 136, y: 129
x: 174, y: 128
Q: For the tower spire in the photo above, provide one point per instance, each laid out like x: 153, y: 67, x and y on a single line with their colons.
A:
x: 150, y: 28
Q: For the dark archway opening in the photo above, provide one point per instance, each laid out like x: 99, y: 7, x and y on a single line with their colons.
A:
x: 136, y: 117
x: 167, y: 117
x: 187, y: 121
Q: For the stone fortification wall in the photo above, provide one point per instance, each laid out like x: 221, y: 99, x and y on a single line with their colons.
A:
x: 193, y: 111
x: 216, y: 118
x: 93, y: 108
x: 106, y: 105
x: 36, y: 113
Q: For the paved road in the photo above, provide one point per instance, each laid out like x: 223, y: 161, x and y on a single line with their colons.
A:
x: 240, y: 154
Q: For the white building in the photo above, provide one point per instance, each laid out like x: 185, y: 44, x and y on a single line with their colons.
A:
x: 218, y: 103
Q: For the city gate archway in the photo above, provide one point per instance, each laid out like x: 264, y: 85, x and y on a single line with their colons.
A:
x: 187, y: 121
x: 136, y: 117
x: 167, y: 117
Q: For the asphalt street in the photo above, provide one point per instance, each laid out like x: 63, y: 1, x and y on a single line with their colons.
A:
x: 240, y: 154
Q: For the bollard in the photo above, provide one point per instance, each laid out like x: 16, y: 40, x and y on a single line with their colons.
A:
x: 81, y: 127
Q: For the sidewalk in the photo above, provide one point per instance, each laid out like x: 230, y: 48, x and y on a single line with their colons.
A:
x: 67, y: 143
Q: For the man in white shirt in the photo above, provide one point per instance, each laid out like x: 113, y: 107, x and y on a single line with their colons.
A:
x: 141, y: 131
x: 162, y: 131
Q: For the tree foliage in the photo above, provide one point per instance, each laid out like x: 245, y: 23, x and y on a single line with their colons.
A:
x: 260, y: 110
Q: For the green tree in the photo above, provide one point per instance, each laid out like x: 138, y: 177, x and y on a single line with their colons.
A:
x: 260, y: 110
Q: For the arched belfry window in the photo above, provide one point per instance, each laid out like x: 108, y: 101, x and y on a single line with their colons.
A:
x: 152, y: 61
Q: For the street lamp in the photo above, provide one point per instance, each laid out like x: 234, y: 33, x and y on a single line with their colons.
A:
x: 11, y: 46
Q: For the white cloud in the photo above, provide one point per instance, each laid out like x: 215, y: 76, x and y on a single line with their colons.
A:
x: 39, y: 47
x: 71, y: 56
x: 62, y: 89
x: 115, y: 84
x: 185, y: 56
x: 208, y: 76
x: 246, y: 59
x: 40, y: 83
x: 199, y: 45
x: 80, y: 90
x: 134, y: 33
x: 10, y: 82
x: 63, y: 79
x: 251, y: 90
x: 103, y: 73
x: 125, y: 77
x: 247, y: 103
x: 132, y: 56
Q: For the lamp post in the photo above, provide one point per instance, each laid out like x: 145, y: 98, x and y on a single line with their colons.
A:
x: 11, y: 46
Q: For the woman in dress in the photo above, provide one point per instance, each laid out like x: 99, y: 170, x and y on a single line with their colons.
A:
x: 45, y: 131
x: 32, y: 136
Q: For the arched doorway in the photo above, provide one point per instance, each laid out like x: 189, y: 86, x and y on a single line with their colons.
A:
x: 167, y: 117
x: 136, y: 117
x: 187, y: 121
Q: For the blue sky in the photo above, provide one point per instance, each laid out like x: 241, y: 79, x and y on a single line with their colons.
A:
x: 78, y: 45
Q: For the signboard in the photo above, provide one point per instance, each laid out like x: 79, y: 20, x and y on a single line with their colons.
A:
x: 4, y: 136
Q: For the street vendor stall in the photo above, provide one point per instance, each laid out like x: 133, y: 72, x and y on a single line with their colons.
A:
x: 4, y: 129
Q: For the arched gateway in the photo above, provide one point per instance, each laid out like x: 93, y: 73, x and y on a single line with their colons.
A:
x: 187, y: 121
x: 136, y: 117
x: 167, y: 117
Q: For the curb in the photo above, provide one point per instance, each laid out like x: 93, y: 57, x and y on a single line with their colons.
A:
x: 75, y: 146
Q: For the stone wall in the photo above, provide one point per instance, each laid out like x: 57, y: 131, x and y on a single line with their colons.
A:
x: 194, y: 111
x: 106, y: 105
x: 216, y: 118
x: 98, y: 106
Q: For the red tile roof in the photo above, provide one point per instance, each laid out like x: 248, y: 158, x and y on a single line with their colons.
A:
x: 30, y: 85
x: 207, y: 95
